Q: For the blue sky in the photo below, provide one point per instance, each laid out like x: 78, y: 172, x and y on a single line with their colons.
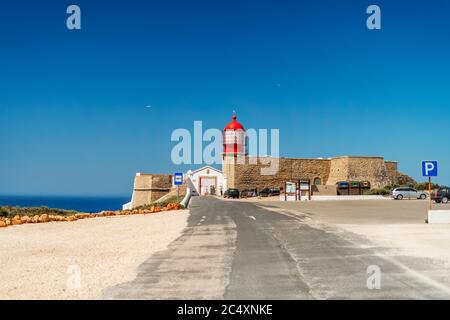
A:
x: 73, y: 116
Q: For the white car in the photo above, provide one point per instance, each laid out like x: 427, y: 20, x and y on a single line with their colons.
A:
x: 408, y: 193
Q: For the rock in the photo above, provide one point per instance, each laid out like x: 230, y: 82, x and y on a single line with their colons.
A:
x: 16, y: 222
x: 55, y: 218
x: 86, y: 216
x: 8, y: 222
x: 2, y: 224
x: 173, y: 206
x: 35, y: 219
x: 44, y: 218
x: 25, y: 219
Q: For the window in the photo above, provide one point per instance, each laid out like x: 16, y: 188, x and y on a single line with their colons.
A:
x: 317, y: 182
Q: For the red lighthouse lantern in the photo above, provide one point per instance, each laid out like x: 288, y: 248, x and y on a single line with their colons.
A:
x: 234, y: 138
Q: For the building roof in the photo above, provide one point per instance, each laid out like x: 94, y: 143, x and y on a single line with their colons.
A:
x: 206, y: 167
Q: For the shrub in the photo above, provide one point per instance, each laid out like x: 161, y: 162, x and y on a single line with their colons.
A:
x: 10, y: 212
x: 3, y: 213
x: 424, y: 186
x: 378, y: 192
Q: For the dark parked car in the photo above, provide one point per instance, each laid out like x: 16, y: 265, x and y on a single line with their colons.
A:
x: 269, y: 192
x: 442, y: 195
x: 249, y: 193
x: 231, y: 193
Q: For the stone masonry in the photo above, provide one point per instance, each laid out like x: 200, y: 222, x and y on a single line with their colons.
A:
x: 149, y: 188
x: 246, y: 172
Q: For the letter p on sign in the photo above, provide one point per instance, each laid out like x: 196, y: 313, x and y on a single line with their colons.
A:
x: 429, y: 168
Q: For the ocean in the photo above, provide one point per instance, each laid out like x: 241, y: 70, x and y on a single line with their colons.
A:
x: 78, y: 203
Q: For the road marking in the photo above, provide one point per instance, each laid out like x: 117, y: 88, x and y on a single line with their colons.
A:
x: 252, y: 217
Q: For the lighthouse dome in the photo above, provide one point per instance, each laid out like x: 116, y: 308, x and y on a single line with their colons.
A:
x: 234, y: 125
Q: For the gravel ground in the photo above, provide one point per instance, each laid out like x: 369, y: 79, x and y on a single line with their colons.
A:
x: 44, y: 261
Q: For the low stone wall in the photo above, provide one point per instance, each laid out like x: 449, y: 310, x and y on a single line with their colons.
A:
x: 45, y: 218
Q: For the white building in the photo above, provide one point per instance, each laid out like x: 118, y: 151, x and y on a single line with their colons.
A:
x: 206, y: 180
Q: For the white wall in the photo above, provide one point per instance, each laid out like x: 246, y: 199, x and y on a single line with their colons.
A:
x: 206, y: 172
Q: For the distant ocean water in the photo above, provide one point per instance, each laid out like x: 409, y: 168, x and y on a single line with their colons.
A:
x: 78, y: 203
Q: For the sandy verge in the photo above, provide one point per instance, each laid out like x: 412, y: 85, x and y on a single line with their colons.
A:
x: 39, y: 261
x: 417, y: 240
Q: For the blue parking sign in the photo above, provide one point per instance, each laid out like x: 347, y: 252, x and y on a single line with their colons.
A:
x: 177, y: 179
x: 429, y: 168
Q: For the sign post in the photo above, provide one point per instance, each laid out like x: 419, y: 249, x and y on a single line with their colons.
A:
x: 429, y: 169
x: 178, y: 181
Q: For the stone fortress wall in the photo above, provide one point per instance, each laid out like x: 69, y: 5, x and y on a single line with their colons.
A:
x: 246, y: 172
x: 149, y: 188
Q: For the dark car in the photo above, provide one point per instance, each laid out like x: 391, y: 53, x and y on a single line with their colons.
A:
x: 249, y: 193
x: 231, y: 193
x: 269, y: 192
x: 441, y: 195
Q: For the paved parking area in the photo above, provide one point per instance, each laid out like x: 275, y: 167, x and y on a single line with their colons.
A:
x: 361, y: 212
x: 396, y: 225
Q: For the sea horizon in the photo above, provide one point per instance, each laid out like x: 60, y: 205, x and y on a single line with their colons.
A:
x: 82, y: 203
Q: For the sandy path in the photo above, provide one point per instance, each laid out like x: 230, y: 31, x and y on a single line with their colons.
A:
x: 38, y: 261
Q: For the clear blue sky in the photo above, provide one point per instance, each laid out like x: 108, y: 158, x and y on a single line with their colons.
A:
x: 73, y: 116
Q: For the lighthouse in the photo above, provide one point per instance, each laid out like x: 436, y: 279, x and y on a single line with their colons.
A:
x: 234, y: 151
x: 233, y: 139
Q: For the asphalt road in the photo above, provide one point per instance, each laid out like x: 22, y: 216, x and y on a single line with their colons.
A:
x: 242, y: 250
